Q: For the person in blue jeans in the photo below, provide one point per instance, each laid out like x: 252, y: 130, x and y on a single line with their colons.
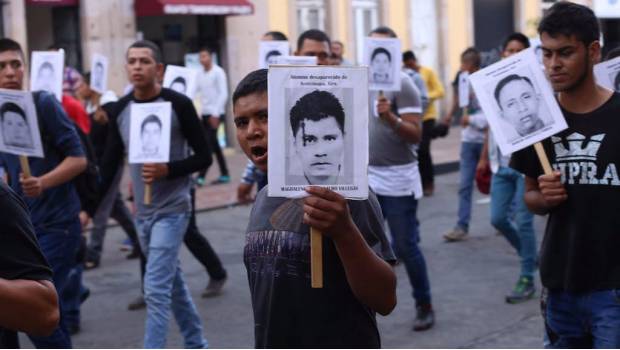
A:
x: 49, y: 192
x: 579, y: 260
x: 507, y: 189
x: 162, y: 223
x: 472, y: 138
x: 395, y: 129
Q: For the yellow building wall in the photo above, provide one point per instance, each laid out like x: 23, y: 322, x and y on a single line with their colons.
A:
x: 278, y: 13
x: 459, y: 32
x: 531, y: 14
x: 398, y: 20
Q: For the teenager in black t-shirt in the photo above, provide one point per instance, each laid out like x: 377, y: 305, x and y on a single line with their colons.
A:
x: 288, y: 313
x: 28, y: 298
x: 580, y: 260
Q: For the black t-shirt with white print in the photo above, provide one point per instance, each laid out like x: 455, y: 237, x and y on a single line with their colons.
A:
x: 581, y: 249
x: 288, y: 313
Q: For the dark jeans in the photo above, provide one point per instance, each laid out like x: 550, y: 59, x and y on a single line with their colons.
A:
x: 401, y: 215
x: 211, y: 135
x: 589, y: 320
x: 199, y: 246
x: 427, y: 172
x: 59, y: 246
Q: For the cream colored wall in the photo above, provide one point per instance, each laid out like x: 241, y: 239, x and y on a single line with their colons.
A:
x: 529, y: 14
x: 15, y: 22
x: 108, y: 27
x: 456, y: 33
x: 396, y: 16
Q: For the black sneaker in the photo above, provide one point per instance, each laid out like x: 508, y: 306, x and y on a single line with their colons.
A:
x: 137, y: 304
x: 424, y: 319
x: 214, y: 288
x: 524, y: 290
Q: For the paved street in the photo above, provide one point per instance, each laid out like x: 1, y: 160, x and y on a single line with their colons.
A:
x: 469, y: 280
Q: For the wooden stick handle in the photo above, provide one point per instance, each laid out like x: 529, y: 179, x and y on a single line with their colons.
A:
x: 316, y: 258
x: 147, y: 194
x: 542, y: 157
x: 23, y: 160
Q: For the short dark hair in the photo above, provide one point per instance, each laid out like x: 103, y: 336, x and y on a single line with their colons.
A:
x: 99, y: 64
x: 507, y: 79
x: 150, y: 119
x: 567, y: 18
x: 379, y: 50
x: 254, y: 82
x: 12, y: 107
x: 179, y: 80
x: 409, y: 55
x: 473, y: 54
x: 147, y: 44
x: 613, y: 53
x: 7, y: 44
x: 86, y: 78
x: 315, y: 106
x: 516, y: 37
x: 208, y: 49
x: 312, y: 34
x: 273, y: 53
x: 45, y: 65
x: 385, y: 31
x: 276, y: 35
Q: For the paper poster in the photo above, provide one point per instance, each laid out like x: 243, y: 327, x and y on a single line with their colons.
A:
x: 192, y: 60
x: 297, y: 60
x: 46, y: 72
x: 318, y: 130
x: 384, y: 60
x: 19, y: 126
x: 269, y: 51
x: 518, y: 102
x: 607, y: 74
x: 536, y: 45
x: 181, y: 80
x: 99, y: 73
x: 149, y: 132
x: 463, y: 89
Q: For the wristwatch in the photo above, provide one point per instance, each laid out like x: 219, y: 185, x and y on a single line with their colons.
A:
x: 399, y: 122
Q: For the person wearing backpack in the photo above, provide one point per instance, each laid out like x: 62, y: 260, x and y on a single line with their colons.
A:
x: 49, y: 193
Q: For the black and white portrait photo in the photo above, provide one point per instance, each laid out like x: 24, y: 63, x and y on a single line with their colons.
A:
x: 46, y: 72
x: 19, y: 129
x: 181, y: 80
x: 296, y: 60
x: 384, y: 61
x: 517, y: 101
x: 607, y: 74
x: 99, y: 73
x: 149, y: 132
x: 268, y: 52
x: 317, y: 134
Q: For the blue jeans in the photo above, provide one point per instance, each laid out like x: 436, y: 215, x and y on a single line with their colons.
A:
x: 59, y: 246
x: 590, y: 320
x: 470, y: 154
x: 164, y: 288
x: 401, y: 215
x: 508, y: 185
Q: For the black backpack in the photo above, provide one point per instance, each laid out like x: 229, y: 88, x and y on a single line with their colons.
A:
x: 87, y: 183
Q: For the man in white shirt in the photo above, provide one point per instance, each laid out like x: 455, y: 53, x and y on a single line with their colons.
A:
x: 213, y: 90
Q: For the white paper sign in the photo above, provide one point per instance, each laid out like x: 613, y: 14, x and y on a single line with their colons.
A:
x: 463, y: 89
x: 297, y: 60
x: 518, y: 102
x: 46, y: 73
x: 607, y: 74
x: 192, y: 60
x: 268, y: 52
x: 99, y: 73
x: 181, y: 80
x: 536, y: 45
x: 19, y: 126
x: 384, y: 60
x: 318, y: 130
x: 149, y: 132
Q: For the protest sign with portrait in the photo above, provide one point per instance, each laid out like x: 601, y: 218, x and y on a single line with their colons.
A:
x: 149, y: 132
x: 99, y: 73
x: 269, y: 51
x: 318, y: 130
x: 19, y: 125
x: 518, y: 102
x: 181, y: 80
x: 384, y: 60
x: 46, y: 72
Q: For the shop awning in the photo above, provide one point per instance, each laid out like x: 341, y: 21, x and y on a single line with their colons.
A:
x: 193, y: 7
x: 53, y: 2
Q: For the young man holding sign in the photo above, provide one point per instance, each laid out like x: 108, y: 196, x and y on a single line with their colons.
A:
x: 580, y: 264
x: 161, y: 224
x: 289, y: 313
x: 48, y: 192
